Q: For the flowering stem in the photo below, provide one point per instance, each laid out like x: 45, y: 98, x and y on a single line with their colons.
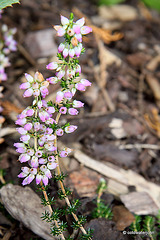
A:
x: 61, y: 183
x: 44, y: 192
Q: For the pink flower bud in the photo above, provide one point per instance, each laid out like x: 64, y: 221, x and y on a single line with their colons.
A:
x: 28, y: 126
x: 48, y: 131
x: 34, y: 162
x: 51, y: 158
x: 65, y: 52
x: 71, y: 52
x: 76, y: 28
x: 38, y: 178
x: 45, y: 180
x: 72, y: 111
x: 50, y: 137
x: 48, y: 173
x: 70, y: 129
x: 29, y: 78
x: 60, y: 74
x: 51, y: 165
x: 85, y: 30
x: 52, y: 80
x: 85, y: 82
x: 39, y: 104
x: 68, y: 95
x: 30, y: 112
x: 36, y: 126
x: 30, y: 152
x: 44, y: 91
x: 42, y: 160
x: 21, y: 121
x: 21, y: 130
x: 78, y: 69
x: 77, y: 104
x: 19, y: 145
x: 50, y: 146
x: 59, y: 132
x: 21, y: 150
x: 80, y: 87
x: 25, y: 181
x: 22, y: 175
x: 63, y: 154
x: 50, y: 110
x: 29, y: 179
x: 43, y: 116
x: 38, y: 153
x: 36, y: 93
x: 44, y: 103
x: 70, y: 32
x: 80, y: 22
x: 60, y: 30
x: 79, y: 37
x: 25, y: 138
x: 77, y: 51
x: 25, y: 85
x: 24, y: 158
x: 33, y: 171
x: 35, y: 85
x: 28, y: 92
x: 59, y: 96
x: 61, y: 47
x: 73, y: 90
x: 52, y: 66
x: 64, y: 20
x: 63, y: 110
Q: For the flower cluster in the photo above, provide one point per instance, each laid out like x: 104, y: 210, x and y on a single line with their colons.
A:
x: 7, y: 45
x: 38, y: 124
x: 73, y: 32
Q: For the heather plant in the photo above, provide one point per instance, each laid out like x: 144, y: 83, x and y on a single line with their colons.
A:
x: 40, y: 129
x: 7, y: 45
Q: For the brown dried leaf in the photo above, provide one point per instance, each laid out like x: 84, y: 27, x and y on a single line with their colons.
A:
x: 10, y: 107
x: 106, y: 35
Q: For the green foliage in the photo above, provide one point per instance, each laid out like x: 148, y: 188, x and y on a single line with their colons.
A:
x: 73, y: 208
x: 58, y: 230
x: 88, y: 235
x: 60, y: 177
x: 7, y: 3
x: 61, y: 195
x: 152, y: 4
x: 110, y: 2
x: 79, y: 223
x: 102, y: 210
x: 49, y: 202
x: 136, y: 225
x: 149, y: 226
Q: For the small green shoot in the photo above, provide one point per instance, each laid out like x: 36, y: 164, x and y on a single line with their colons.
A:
x: 102, y: 210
